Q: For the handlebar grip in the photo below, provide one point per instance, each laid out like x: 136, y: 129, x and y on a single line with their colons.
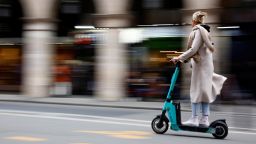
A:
x: 178, y: 64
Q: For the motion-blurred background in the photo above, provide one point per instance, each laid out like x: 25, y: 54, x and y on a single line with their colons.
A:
x: 109, y: 49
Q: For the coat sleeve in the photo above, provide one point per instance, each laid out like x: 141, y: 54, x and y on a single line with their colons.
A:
x: 205, y: 37
x: 197, y: 42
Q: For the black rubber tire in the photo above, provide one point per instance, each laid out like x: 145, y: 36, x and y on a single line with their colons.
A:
x: 221, y: 130
x: 161, y: 130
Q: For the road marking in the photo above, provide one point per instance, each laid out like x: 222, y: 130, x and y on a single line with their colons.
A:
x: 235, y: 114
x: 122, y: 134
x: 239, y: 132
x: 97, y: 119
x: 80, y: 143
x: 73, y: 115
x: 244, y: 129
x: 75, y: 119
x: 93, y: 116
x: 26, y: 139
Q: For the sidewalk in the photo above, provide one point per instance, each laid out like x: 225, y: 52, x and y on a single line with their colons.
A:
x: 231, y: 109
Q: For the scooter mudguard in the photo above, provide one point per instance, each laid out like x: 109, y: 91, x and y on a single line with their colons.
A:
x: 222, y: 120
x: 211, y: 127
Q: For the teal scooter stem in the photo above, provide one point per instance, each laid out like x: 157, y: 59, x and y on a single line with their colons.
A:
x: 160, y: 123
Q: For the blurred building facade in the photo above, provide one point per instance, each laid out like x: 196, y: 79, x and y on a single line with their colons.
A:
x: 38, y: 37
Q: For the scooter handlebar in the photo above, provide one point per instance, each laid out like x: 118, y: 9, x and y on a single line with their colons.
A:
x: 171, y: 54
x: 178, y: 64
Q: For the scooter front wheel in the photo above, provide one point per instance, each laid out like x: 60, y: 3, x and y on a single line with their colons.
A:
x: 160, y: 128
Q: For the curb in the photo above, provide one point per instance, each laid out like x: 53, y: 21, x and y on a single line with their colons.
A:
x: 86, y: 104
x: 79, y: 104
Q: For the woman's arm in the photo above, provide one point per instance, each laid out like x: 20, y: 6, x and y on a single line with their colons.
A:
x: 197, y: 42
x: 206, y: 38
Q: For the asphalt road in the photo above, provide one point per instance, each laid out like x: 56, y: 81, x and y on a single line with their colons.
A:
x: 22, y: 123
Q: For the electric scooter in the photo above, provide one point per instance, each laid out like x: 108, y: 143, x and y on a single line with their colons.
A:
x: 160, y: 123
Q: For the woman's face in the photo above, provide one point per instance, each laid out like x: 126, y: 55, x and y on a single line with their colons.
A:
x: 194, y: 23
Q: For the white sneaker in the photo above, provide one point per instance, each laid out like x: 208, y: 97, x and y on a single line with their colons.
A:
x: 204, y: 121
x: 193, y: 121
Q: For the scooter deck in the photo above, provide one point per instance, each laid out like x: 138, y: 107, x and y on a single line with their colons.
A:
x: 193, y: 128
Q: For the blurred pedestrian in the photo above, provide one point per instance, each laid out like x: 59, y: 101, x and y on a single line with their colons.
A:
x: 205, y: 84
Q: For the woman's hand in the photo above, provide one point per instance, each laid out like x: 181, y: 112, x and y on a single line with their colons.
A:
x: 175, y: 60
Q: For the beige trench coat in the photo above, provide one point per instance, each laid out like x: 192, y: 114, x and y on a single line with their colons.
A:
x: 205, y: 84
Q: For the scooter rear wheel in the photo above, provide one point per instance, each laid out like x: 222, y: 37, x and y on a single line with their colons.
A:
x: 221, y: 130
x: 164, y: 125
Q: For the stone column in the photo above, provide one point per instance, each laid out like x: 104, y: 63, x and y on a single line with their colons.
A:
x: 38, y: 32
x: 111, y: 54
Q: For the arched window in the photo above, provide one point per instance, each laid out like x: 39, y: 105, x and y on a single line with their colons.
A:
x: 79, y: 54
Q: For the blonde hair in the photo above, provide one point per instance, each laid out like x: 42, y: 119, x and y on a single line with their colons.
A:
x: 199, y: 16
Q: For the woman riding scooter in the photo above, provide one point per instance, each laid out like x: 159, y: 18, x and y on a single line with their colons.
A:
x: 205, y: 84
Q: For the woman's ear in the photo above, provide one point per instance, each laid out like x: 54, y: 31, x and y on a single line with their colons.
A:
x: 193, y: 23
